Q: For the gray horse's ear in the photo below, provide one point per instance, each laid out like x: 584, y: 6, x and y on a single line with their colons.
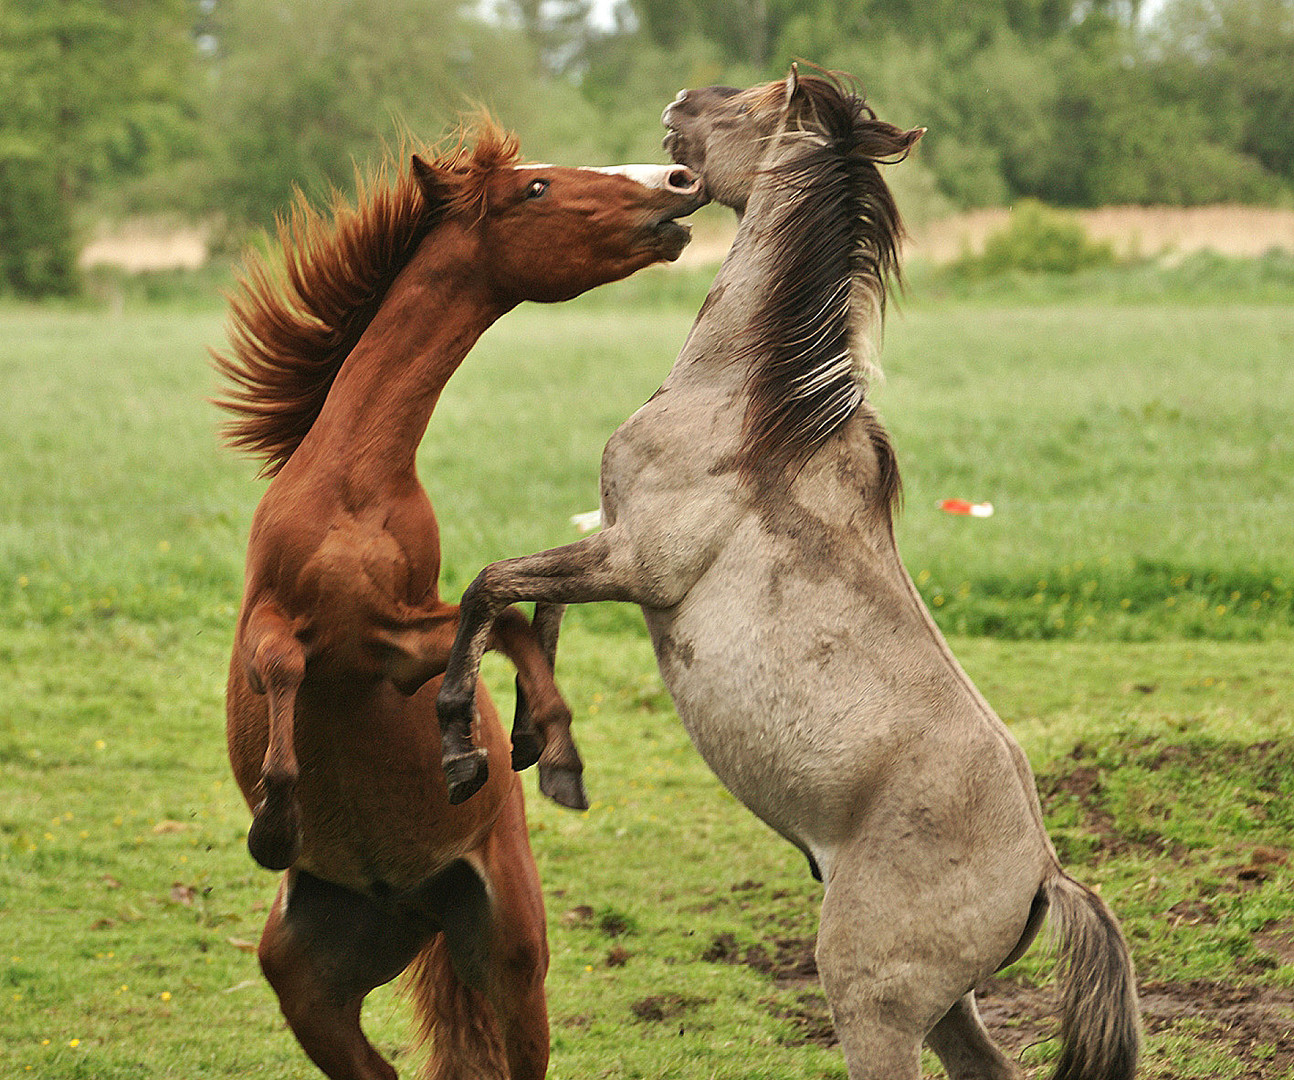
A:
x: 792, y: 84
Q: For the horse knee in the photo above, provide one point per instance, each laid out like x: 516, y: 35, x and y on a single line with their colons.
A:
x: 277, y: 660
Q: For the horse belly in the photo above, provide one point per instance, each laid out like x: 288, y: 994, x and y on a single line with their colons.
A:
x: 793, y: 752
x: 372, y: 794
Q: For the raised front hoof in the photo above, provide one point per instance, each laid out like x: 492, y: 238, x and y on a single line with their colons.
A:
x: 274, y: 845
x: 564, y: 785
x: 526, y: 748
x: 465, y: 774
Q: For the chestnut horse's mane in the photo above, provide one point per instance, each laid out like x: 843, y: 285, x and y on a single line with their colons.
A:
x: 836, y: 237
x: 293, y: 322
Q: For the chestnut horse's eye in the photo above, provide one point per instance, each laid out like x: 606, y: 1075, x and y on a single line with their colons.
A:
x: 536, y: 188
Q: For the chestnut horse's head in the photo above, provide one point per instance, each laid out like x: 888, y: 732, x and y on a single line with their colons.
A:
x: 724, y: 134
x: 551, y: 232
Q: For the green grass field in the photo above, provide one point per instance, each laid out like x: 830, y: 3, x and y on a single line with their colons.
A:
x: 1128, y: 609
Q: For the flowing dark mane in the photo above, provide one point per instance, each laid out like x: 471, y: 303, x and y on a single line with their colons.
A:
x: 836, y: 238
x: 293, y: 322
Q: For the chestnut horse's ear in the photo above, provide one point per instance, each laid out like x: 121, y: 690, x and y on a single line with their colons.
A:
x: 434, y: 188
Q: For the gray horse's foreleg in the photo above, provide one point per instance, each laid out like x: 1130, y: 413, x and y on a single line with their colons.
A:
x: 595, y: 568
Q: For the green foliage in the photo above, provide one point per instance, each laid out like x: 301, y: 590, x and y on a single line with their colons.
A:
x: 37, y: 253
x: 1072, y: 120
x: 103, y: 91
x: 1037, y: 239
x: 90, y: 93
x: 1232, y: 58
x: 303, y: 91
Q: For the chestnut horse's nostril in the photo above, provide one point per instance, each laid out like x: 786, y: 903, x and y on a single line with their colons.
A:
x: 683, y: 180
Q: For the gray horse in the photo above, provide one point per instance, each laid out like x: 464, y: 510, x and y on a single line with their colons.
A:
x: 748, y: 508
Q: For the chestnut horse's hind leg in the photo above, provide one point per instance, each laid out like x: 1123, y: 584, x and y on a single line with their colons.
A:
x: 518, y: 943
x: 323, y: 949
x: 479, y: 987
x: 964, y: 1047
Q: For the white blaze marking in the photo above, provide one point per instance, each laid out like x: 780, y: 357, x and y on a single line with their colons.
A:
x: 652, y: 176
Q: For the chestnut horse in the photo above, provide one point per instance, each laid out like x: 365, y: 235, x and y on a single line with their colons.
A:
x: 748, y: 508
x: 337, y: 364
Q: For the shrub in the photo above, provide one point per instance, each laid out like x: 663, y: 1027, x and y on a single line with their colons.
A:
x: 37, y: 252
x: 1037, y: 239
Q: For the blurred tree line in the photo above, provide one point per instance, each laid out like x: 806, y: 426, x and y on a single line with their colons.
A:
x: 213, y: 109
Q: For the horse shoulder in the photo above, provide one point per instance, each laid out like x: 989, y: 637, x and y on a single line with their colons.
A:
x: 673, y: 500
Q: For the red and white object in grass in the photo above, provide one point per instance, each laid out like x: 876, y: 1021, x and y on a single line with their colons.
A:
x: 966, y: 508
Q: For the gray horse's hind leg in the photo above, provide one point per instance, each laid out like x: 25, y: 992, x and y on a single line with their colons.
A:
x: 964, y: 1047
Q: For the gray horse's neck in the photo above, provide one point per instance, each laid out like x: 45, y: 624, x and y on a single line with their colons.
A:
x: 813, y: 336
x: 727, y: 318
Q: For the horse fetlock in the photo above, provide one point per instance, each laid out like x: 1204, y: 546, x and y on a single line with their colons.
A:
x: 465, y: 774
x: 526, y: 748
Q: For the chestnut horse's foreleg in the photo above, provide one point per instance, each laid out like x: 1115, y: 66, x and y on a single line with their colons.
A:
x: 275, y: 662
x: 598, y: 567
x: 419, y: 650
x: 527, y: 740
x: 323, y: 949
x: 542, y: 728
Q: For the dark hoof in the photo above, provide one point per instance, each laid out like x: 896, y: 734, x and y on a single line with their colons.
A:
x: 526, y: 748
x: 564, y: 785
x: 274, y: 843
x: 465, y: 774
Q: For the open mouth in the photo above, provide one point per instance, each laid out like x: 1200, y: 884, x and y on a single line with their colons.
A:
x: 673, y: 236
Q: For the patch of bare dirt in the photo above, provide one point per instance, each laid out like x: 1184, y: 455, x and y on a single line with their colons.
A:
x: 1133, y: 231
x: 1254, y: 1024
x: 661, y: 1007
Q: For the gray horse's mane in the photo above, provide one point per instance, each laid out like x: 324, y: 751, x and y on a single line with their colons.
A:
x: 836, y: 237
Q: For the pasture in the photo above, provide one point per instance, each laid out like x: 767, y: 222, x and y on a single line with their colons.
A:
x: 1128, y: 609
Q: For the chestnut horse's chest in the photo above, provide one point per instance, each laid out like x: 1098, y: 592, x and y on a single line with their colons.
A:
x: 339, y: 572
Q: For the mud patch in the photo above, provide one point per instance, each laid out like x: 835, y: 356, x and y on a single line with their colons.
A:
x: 662, y: 1007
x: 787, y: 961
x: 1253, y: 1024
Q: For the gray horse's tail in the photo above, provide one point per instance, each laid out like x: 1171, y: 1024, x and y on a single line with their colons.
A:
x: 1100, y: 1025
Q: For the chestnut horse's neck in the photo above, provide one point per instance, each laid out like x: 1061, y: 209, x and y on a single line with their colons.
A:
x: 377, y: 410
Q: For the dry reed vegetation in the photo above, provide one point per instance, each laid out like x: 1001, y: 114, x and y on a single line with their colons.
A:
x: 1133, y: 231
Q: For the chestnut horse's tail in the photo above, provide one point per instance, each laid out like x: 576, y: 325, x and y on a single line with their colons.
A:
x: 457, y: 1020
x: 1100, y: 1025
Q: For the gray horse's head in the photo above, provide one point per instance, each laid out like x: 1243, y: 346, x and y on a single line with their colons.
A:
x: 724, y: 133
